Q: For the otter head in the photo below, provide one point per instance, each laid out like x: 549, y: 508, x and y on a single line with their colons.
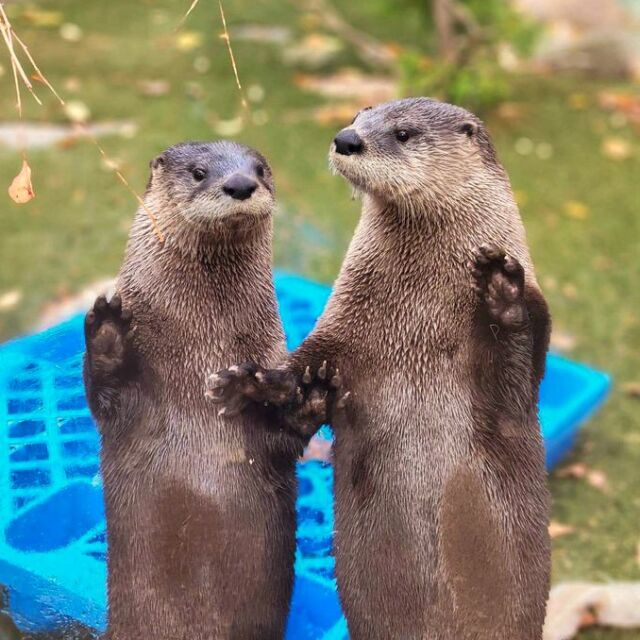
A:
x: 414, y: 152
x: 210, y: 185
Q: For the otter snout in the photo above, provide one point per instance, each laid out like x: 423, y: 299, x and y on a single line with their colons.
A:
x: 348, y: 143
x: 239, y: 186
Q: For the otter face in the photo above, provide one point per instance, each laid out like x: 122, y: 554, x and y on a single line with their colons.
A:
x: 205, y: 182
x: 411, y: 151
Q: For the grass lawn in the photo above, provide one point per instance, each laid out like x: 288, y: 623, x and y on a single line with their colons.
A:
x: 581, y: 208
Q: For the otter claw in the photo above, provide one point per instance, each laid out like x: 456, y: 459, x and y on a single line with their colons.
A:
x: 306, y: 378
x: 342, y: 403
x: 322, y: 371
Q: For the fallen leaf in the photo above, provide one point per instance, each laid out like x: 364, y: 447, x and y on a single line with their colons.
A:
x: 313, y: 50
x: 577, y: 470
x: 42, y: 18
x: 557, y: 529
x: 576, y: 210
x: 616, y: 148
x: 632, y: 389
x: 340, y: 113
x: 154, y: 88
x: 598, y: 480
x: 562, y: 341
x: 349, y: 83
x: 627, y: 103
x: 188, y: 40
x: 21, y: 188
x: 71, y: 32
x: 77, y: 111
x: 595, y: 478
x: 9, y: 299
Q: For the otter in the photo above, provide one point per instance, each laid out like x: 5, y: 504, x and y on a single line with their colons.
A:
x: 439, y: 330
x: 200, y: 509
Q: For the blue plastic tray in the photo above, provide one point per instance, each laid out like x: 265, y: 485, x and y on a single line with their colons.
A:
x: 52, y: 530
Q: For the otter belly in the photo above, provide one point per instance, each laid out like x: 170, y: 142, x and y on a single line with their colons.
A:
x: 201, y: 544
x: 429, y: 537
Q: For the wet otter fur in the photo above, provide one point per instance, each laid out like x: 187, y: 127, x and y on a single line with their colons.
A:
x: 200, y: 509
x: 439, y: 330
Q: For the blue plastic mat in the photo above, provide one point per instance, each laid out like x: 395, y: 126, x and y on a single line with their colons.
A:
x: 52, y: 530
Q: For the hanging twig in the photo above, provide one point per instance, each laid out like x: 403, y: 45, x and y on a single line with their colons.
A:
x: 9, y: 35
x: 227, y: 39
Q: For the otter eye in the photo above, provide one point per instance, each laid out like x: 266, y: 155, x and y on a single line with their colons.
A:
x: 199, y: 174
x: 260, y: 171
x: 402, y: 135
x: 468, y: 128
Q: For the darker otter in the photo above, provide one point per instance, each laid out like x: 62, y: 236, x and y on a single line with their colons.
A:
x: 200, y: 509
x: 439, y: 330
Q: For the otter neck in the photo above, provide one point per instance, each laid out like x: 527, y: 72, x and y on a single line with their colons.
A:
x: 218, y: 261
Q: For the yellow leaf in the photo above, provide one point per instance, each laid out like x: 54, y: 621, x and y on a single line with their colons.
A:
x: 21, y: 189
x: 576, y: 210
x: 41, y: 18
x: 616, y: 148
x: 188, y: 40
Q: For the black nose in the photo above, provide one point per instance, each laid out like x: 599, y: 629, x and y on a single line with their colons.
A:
x: 348, y: 142
x: 239, y: 187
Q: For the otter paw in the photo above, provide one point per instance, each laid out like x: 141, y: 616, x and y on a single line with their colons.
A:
x: 240, y: 384
x: 319, y: 397
x: 107, y: 329
x: 499, y: 283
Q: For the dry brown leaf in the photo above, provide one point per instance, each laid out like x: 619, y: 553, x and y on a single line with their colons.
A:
x: 557, y: 529
x: 595, y: 478
x: 632, y: 389
x: 577, y: 470
x: 21, y: 189
x: 9, y: 299
x: 349, y: 83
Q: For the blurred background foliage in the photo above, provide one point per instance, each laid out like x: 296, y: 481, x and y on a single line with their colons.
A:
x: 556, y: 82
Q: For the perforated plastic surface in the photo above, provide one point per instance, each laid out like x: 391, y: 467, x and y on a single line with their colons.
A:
x: 52, y: 530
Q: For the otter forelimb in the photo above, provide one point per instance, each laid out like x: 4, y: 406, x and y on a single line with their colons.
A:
x: 303, y: 401
x: 110, y: 362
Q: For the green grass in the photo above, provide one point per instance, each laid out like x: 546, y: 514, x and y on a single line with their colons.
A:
x: 74, y: 232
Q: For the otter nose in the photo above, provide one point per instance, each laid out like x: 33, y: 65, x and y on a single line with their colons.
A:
x: 348, y: 142
x: 239, y: 187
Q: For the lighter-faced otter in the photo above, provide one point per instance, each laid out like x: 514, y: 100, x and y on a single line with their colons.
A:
x: 200, y: 509
x: 439, y: 330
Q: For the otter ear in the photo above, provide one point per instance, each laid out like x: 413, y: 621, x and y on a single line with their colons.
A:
x: 157, y: 162
x: 469, y: 128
